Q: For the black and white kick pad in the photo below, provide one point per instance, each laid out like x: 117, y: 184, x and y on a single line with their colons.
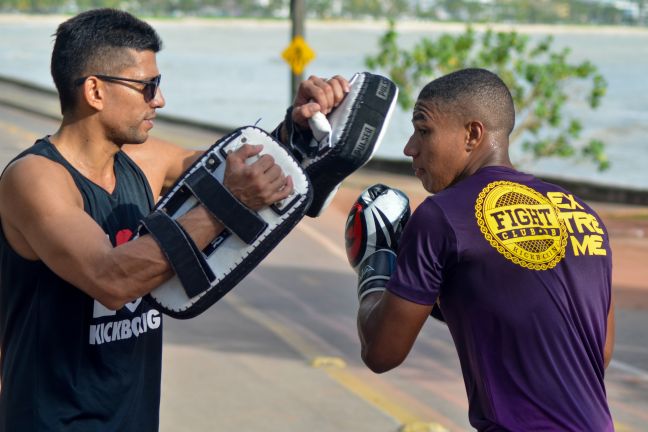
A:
x: 204, y: 276
x: 346, y: 139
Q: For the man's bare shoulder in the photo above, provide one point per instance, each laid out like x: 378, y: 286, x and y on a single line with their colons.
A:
x: 32, y: 189
x: 36, y: 177
x: 29, y: 165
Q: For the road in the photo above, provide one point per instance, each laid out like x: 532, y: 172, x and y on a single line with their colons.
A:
x: 280, y: 352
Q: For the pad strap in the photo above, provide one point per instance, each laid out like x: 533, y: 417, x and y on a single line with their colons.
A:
x: 299, y: 139
x: 181, y: 252
x: 236, y: 217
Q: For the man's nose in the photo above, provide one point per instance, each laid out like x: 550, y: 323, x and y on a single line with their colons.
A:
x: 158, y: 101
x: 410, y: 147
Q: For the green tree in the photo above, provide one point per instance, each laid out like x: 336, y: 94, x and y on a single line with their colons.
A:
x: 320, y: 8
x: 642, y: 12
x: 540, y: 78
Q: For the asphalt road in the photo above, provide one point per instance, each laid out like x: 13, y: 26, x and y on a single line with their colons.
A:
x: 280, y: 352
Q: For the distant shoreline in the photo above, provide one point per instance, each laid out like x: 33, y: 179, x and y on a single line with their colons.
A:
x: 402, y: 25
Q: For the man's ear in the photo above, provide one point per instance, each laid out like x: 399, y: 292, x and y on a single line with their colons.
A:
x: 474, y: 135
x: 93, y: 93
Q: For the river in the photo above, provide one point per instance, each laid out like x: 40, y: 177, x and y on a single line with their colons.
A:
x: 230, y: 72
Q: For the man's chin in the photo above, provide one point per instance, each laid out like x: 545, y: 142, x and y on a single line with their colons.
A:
x: 431, y: 187
x: 139, y: 138
x: 426, y: 184
x: 131, y: 136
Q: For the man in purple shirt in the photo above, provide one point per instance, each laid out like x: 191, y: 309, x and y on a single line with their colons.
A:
x: 519, y: 269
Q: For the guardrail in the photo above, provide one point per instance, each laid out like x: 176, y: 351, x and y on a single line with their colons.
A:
x: 586, y: 190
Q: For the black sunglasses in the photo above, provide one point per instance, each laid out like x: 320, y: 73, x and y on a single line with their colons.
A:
x: 150, y: 87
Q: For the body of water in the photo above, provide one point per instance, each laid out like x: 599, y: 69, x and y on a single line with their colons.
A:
x: 232, y: 73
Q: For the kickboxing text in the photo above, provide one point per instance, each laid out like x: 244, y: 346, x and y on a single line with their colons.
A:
x: 124, y: 329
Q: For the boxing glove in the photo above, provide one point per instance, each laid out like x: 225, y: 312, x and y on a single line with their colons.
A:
x: 373, y: 229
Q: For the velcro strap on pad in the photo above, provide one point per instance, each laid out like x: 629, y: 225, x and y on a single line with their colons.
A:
x: 236, y: 217
x: 181, y: 252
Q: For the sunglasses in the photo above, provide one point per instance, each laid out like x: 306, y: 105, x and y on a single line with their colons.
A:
x: 150, y: 87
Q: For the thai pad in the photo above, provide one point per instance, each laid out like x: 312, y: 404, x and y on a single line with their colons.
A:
x: 204, y: 276
x: 346, y: 139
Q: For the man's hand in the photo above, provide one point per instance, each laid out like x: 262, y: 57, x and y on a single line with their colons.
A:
x: 258, y: 184
x: 318, y: 95
x: 315, y: 95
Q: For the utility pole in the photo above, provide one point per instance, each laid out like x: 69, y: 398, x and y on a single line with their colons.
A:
x: 297, y: 17
x: 298, y: 54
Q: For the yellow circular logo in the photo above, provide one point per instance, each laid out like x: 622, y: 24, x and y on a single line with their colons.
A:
x: 522, y: 224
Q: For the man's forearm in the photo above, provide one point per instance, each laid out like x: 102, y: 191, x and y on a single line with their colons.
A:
x: 137, y: 267
x: 366, y: 319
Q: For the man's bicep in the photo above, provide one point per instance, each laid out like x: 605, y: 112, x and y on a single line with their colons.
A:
x: 161, y: 161
x: 177, y: 159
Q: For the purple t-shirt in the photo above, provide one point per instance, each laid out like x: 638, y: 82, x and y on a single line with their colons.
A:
x: 522, y: 272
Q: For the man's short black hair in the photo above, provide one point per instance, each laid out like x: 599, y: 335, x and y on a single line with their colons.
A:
x: 474, y: 94
x: 93, y: 42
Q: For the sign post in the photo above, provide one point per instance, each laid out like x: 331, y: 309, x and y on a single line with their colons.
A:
x: 298, y: 54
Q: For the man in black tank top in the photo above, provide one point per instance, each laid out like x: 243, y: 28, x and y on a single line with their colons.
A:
x: 81, y: 349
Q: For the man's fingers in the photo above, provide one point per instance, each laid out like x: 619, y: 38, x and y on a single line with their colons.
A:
x: 277, y: 184
x: 246, y: 151
x: 324, y: 93
x: 344, y: 84
x: 318, y: 95
x: 263, y: 164
x: 274, y: 173
x: 285, y: 188
x: 303, y: 113
x: 258, y: 182
x: 333, y: 91
x: 340, y: 87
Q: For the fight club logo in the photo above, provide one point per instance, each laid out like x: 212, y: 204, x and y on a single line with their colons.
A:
x: 522, y: 225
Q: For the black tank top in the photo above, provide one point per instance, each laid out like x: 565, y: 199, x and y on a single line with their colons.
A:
x: 67, y: 362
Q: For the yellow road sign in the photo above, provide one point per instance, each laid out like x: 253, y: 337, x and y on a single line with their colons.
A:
x: 298, y: 54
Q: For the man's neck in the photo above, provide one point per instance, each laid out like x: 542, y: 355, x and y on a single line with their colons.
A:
x: 88, y: 150
x: 493, y: 151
